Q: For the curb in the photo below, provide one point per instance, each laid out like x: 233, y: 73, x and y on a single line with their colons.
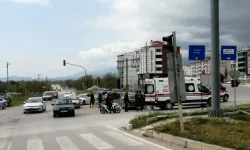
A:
x: 185, y: 143
x: 128, y: 127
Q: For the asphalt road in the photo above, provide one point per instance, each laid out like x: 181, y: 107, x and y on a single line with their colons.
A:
x: 87, y: 130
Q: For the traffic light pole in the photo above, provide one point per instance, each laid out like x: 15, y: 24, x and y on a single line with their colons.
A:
x: 235, y: 89
x: 215, y: 55
x: 84, y: 70
x: 177, y: 85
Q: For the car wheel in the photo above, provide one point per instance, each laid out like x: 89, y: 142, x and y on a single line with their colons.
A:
x: 83, y: 103
x: 44, y: 109
x: 225, y: 98
x: 54, y: 115
x: 24, y: 112
x: 3, y: 107
x: 73, y: 114
x: 169, y: 106
x: 10, y: 103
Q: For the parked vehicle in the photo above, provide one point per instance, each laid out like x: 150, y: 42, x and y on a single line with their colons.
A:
x: 84, y: 98
x: 3, y: 103
x: 54, y: 94
x: 77, y: 103
x: 8, y: 99
x: 69, y: 94
x: 63, y: 106
x: 34, y: 104
x: 157, y: 93
x: 115, y: 108
x: 48, y: 95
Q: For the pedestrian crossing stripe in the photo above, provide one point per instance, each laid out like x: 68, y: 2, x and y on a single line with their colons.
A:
x: 65, y: 142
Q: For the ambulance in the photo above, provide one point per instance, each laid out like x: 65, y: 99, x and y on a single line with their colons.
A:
x: 157, y: 93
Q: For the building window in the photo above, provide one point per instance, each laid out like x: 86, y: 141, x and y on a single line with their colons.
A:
x: 158, y: 62
x: 158, y: 69
x: 158, y: 56
x: 158, y: 50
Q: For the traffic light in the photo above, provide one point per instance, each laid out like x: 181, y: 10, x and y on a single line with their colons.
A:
x: 118, y: 82
x: 64, y: 62
x: 233, y: 83
x: 169, y: 45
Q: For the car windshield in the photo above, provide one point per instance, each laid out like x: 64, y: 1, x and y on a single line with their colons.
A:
x: 34, y: 100
x: 2, y: 96
x: 63, y: 102
x: 47, y: 93
x: 68, y: 93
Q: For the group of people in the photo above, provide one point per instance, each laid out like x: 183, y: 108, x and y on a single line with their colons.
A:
x: 139, y: 100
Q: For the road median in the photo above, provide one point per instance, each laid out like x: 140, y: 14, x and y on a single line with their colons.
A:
x: 201, y: 132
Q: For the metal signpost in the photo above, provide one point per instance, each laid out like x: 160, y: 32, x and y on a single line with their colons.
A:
x: 197, y: 52
x: 229, y: 53
x: 235, y: 75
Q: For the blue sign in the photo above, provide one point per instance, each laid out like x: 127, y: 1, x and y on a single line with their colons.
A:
x: 228, y: 53
x: 197, y: 52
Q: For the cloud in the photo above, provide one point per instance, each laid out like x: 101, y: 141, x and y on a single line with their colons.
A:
x: 39, y: 2
x: 138, y: 21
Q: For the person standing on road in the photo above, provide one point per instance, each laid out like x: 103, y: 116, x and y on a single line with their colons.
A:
x: 137, y: 100
x: 92, y: 100
x: 140, y: 100
x: 100, y: 99
x: 126, y: 101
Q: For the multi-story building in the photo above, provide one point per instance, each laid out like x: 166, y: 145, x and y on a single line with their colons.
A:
x: 243, y: 63
x: 187, y: 70
x: 128, y: 68
x: 204, y: 66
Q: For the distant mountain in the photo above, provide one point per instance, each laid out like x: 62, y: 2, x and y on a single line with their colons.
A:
x: 98, y: 73
x: 16, y: 78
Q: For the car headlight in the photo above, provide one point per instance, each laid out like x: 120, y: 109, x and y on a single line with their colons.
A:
x: 56, y: 108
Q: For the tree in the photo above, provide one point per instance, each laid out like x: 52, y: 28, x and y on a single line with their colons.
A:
x: 226, y: 73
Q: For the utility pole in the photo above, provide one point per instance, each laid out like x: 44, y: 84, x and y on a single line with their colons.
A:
x: 126, y: 71
x: 38, y: 75
x: 215, y: 56
x: 7, y: 65
x: 146, y: 61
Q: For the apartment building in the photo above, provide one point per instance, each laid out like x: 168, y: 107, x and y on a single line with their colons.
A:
x: 187, y: 70
x: 204, y: 66
x: 243, y: 63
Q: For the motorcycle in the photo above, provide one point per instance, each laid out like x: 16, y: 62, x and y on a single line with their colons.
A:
x: 105, y: 109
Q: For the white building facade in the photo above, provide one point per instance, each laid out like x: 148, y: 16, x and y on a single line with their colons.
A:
x: 205, y: 66
x: 187, y: 70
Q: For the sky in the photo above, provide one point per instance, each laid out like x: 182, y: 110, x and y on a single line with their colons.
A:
x: 37, y: 35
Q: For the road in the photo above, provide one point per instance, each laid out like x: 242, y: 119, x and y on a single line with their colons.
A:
x: 87, y: 130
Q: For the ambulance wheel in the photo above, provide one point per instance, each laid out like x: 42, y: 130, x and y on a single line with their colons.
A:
x: 169, y: 106
x: 225, y: 98
x: 209, y: 102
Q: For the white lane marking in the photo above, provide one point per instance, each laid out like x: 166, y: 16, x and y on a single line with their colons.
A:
x: 35, y: 144
x: 9, y: 146
x: 137, y: 138
x: 96, y: 142
x: 122, y: 138
x: 66, y: 143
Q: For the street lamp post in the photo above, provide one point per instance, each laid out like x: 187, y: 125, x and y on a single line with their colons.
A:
x: 7, y: 65
x: 85, y: 78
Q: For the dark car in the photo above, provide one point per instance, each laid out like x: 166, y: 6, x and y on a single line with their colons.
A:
x: 116, y: 95
x: 7, y: 98
x: 63, y: 107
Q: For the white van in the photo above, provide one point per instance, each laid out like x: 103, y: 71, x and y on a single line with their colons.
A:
x: 157, y: 92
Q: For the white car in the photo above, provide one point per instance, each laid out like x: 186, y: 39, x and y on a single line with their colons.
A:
x: 84, y: 98
x: 69, y: 94
x: 34, y: 104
